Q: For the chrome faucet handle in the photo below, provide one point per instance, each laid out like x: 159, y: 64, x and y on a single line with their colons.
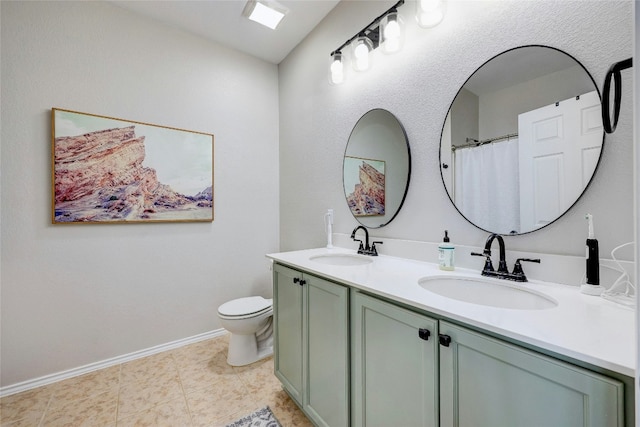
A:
x: 488, y: 265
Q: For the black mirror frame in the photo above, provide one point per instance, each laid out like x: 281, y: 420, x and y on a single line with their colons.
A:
x: 408, y: 180
x: 443, y: 166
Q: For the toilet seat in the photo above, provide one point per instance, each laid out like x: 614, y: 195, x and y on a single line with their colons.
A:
x: 243, y: 308
x: 250, y: 322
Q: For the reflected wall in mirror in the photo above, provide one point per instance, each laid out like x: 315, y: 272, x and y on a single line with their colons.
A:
x: 376, y: 168
x: 522, y: 140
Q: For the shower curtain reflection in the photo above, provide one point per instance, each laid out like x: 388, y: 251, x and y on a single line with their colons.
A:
x: 486, y: 185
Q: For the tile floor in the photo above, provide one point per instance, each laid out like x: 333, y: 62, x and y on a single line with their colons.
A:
x: 188, y: 386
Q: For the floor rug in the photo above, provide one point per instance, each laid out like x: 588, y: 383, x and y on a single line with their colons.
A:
x: 260, y: 418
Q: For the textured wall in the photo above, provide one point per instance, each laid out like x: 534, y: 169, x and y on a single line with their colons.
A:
x: 417, y: 85
x: 77, y: 294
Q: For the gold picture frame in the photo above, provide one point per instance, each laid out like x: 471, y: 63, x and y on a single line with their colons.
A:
x: 109, y: 170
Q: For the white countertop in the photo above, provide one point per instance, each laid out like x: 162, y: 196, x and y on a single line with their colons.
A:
x: 582, y: 327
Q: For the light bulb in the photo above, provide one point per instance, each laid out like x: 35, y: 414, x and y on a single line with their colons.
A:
x: 429, y: 13
x: 392, y: 34
x: 392, y: 30
x: 361, y: 51
x: 361, y: 58
x: 429, y: 5
x: 336, y: 69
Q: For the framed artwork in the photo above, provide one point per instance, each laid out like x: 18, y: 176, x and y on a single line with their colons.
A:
x: 108, y: 170
x: 364, y: 186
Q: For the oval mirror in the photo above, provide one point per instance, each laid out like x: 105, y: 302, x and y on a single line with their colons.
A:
x: 522, y: 140
x: 376, y: 168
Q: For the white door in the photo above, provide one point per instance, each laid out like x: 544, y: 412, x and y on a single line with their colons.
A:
x: 560, y: 146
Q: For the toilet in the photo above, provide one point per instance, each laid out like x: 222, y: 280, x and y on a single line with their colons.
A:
x: 250, y: 321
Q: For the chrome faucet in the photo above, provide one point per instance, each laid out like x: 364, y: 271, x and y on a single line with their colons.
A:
x: 503, y: 272
x: 365, y: 249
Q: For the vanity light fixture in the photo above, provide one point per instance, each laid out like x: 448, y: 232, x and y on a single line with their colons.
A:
x: 387, y: 31
x: 366, y: 40
x: 266, y: 12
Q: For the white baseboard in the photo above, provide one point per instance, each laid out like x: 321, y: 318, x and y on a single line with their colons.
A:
x: 59, y: 376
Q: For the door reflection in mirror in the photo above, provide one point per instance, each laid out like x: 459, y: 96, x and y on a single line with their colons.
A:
x: 524, y: 137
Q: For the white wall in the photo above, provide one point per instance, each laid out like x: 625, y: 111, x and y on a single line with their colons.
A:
x: 417, y: 85
x: 74, y: 295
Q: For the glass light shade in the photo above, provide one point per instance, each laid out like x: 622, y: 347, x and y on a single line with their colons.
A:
x: 430, y: 13
x: 362, y: 48
x: 336, y: 69
x: 392, y: 32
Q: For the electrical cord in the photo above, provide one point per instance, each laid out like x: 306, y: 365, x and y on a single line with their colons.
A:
x: 622, y: 291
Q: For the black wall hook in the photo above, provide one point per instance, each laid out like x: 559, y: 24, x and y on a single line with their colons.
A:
x: 613, y: 73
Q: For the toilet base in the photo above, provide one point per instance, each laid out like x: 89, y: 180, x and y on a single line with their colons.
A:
x: 243, y: 350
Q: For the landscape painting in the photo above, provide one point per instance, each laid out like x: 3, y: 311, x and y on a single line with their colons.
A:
x: 108, y: 170
x: 364, y: 186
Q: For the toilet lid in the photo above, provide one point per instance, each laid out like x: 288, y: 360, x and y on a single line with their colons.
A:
x: 245, y: 306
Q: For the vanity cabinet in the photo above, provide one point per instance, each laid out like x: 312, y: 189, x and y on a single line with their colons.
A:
x: 394, y: 365
x: 351, y: 358
x: 312, y: 344
x: 412, y: 370
x: 488, y: 382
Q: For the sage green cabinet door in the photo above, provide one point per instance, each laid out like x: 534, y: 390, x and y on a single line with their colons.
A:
x: 288, y: 341
x: 327, y: 309
x: 311, y: 344
x: 394, y: 371
x: 487, y: 382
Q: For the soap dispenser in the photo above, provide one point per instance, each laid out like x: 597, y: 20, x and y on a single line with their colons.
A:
x: 446, y: 253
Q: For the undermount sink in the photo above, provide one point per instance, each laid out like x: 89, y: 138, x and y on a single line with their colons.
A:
x: 487, y: 292
x: 342, y: 259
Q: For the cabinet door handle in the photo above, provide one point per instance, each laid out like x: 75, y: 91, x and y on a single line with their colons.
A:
x: 303, y: 282
x: 424, y: 334
x: 296, y: 280
x: 445, y: 340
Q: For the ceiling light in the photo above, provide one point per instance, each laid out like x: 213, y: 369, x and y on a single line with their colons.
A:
x: 267, y: 13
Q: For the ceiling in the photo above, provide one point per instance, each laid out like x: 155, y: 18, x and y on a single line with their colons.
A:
x: 222, y: 21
